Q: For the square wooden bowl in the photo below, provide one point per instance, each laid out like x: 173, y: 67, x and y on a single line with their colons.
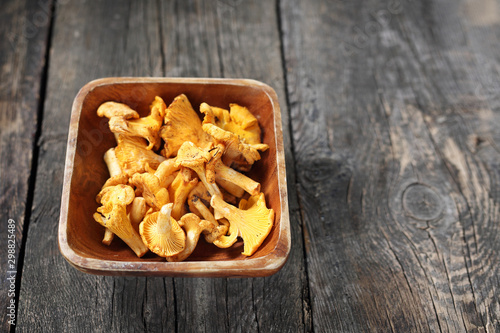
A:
x: 85, y: 173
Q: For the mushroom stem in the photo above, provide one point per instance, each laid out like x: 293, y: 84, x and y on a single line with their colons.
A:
x: 112, y: 162
x: 226, y: 173
x: 165, y: 171
x: 108, y: 237
x: 164, y: 224
x: 114, y: 170
x: 212, y: 188
x: 203, y: 210
x: 231, y: 187
x: 137, y: 211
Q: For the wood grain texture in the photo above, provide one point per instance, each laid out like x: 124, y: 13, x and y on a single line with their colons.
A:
x: 25, y: 27
x: 394, y: 111
x: 139, y: 39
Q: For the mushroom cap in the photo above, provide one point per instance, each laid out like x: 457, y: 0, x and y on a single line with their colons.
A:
x: 162, y: 234
x: 182, y: 124
x: 239, y: 121
x: 193, y: 226
x: 114, y: 109
x: 254, y: 221
x: 116, y: 180
x: 146, y: 127
x: 133, y: 155
x: 148, y: 185
x: 118, y: 194
x: 238, y: 130
x: 191, y: 156
x: 245, y: 120
x: 224, y: 241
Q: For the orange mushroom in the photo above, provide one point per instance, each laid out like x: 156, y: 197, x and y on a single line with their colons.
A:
x: 113, y: 215
x: 253, y: 220
x: 162, y: 234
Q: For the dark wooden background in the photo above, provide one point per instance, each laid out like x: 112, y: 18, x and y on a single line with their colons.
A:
x: 391, y: 116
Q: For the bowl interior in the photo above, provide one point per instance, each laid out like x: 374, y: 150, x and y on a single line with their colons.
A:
x: 84, y: 235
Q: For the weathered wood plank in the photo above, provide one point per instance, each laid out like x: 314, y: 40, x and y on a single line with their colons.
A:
x: 105, y: 39
x: 152, y: 38
x: 25, y: 27
x: 237, y: 39
x: 394, y: 112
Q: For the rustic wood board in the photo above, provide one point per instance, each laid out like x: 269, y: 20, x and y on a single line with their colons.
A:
x: 152, y: 38
x: 394, y: 112
x: 25, y: 26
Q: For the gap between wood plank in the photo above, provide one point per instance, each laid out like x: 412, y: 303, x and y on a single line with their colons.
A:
x: 34, y: 161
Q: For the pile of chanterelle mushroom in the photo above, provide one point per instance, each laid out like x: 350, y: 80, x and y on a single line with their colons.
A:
x: 174, y: 177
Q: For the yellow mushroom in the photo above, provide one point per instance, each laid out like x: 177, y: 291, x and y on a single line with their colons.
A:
x: 148, y: 185
x: 196, y: 201
x: 193, y: 226
x: 114, y: 109
x: 113, y: 215
x: 217, y: 170
x: 231, y: 188
x: 116, y: 178
x: 133, y: 155
x: 227, y: 174
x: 146, y: 127
x: 238, y: 130
x: 165, y: 172
x: 253, y: 220
x: 193, y: 157
x: 162, y: 234
x: 182, y: 124
x: 215, y: 115
x: 227, y: 239
x: 137, y: 211
x: 179, y: 190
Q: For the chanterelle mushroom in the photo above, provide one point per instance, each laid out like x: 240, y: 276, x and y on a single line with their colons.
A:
x: 165, y: 171
x: 146, y: 127
x: 116, y: 177
x: 227, y: 174
x: 114, y: 109
x: 113, y: 215
x: 133, y: 155
x: 179, y: 190
x: 193, y: 226
x: 182, y: 124
x: 232, y: 190
x: 238, y: 130
x: 196, y: 201
x: 162, y: 234
x: 148, y: 186
x: 193, y: 157
x: 138, y: 210
x: 115, y: 172
x: 224, y: 241
x: 237, y: 154
x: 253, y: 220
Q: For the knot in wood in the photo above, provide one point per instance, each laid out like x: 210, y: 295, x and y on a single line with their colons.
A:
x: 422, y: 202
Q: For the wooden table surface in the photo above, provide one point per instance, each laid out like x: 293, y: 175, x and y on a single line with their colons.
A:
x: 391, y: 118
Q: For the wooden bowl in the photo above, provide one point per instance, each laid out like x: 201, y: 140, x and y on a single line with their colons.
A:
x: 85, y: 173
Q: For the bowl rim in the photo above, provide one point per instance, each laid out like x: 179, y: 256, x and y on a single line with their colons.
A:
x: 248, y: 267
